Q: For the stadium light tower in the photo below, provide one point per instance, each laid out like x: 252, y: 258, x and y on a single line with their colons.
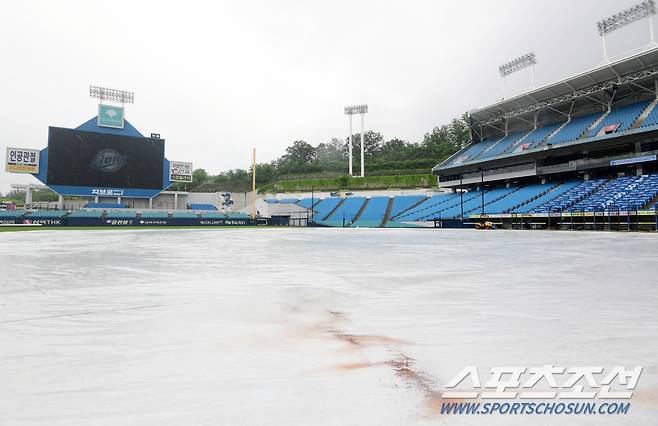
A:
x: 646, y: 9
x: 350, y: 111
x: 525, y: 61
x: 105, y: 94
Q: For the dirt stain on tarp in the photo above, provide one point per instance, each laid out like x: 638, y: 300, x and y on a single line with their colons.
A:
x: 402, y: 365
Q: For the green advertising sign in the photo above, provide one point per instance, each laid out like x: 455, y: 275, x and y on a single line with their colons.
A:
x: 110, y: 116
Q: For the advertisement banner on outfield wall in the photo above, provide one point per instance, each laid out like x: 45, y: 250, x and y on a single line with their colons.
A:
x: 180, y: 171
x: 21, y: 160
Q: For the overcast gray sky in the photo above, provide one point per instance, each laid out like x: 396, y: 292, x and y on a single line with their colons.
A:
x: 218, y: 78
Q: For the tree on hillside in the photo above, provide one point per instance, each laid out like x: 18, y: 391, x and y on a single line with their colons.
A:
x: 199, y: 175
x: 299, y: 158
x: 371, y: 148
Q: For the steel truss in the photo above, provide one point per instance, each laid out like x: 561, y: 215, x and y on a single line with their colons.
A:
x: 611, y: 84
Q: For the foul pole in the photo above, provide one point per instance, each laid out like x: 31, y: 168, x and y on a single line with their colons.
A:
x: 253, y: 185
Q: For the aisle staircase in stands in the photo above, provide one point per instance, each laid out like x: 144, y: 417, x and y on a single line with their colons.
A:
x: 340, y: 203
x: 387, y: 214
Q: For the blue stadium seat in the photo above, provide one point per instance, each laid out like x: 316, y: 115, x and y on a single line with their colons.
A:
x: 537, y: 136
x: 114, y: 214
x: 556, y: 191
x: 573, y: 130
x: 5, y: 214
x: 373, y: 213
x: 623, y: 193
x: 625, y: 116
x: 503, y: 145
x: 347, y: 210
x: 517, y: 197
x: 48, y: 214
x: 404, y: 202
x: 324, y: 206
x: 106, y: 205
x: 201, y: 206
x: 95, y: 214
x: 154, y: 214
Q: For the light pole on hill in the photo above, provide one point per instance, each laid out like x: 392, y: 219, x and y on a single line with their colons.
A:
x: 350, y: 111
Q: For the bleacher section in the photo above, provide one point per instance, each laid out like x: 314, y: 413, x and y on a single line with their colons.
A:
x: 571, y: 197
x: 473, y: 151
x: 573, y: 130
x: 346, y: 212
x: 625, y: 116
x: 433, y: 204
x: 534, y: 139
x: 199, y: 206
x: 558, y: 190
x: 184, y: 215
x: 49, y: 214
x: 120, y: 214
x: 307, y: 203
x: 373, y: 215
x: 404, y: 202
x: 503, y: 145
x: 154, y: 214
x: 106, y: 206
x: 86, y: 214
x: 324, y: 207
x: 624, y: 193
x: 515, y: 198
x: 11, y: 214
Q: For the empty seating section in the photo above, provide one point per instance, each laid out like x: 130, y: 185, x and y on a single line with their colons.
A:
x: 347, y: 210
x: 237, y: 215
x: 473, y: 150
x: 213, y: 215
x: 623, y: 193
x: 652, y: 118
x: 374, y: 212
x: 515, y: 198
x: 558, y: 190
x: 288, y: 201
x: 106, y: 206
x: 202, y: 207
x: 95, y: 214
x: 503, y: 145
x: 148, y: 214
x: 325, y: 206
x: 403, y: 202
x: 120, y: 214
x: 11, y: 213
x: 271, y: 200
x: 625, y: 116
x: 184, y: 215
x: 472, y: 200
x: 535, y: 138
x: 434, y: 203
x: 307, y: 203
x: 48, y: 213
x: 569, y: 198
x: 574, y: 129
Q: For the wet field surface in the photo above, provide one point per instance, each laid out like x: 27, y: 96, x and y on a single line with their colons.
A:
x: 311, y: 326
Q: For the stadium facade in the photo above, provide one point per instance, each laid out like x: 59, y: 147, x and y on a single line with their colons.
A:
x: 576, y: 154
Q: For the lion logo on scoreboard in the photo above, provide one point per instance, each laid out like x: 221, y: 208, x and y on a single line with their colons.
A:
x: 108, y: 161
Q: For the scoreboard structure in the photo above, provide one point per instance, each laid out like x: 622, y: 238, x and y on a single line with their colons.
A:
x: 91, y: 160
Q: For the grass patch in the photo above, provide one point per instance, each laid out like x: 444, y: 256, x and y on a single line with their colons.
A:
x: 351, y: 183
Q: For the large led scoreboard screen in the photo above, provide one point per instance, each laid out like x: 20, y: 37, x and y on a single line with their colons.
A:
x: 100, y: 160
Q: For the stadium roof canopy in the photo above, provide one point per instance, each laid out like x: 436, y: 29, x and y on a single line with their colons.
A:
x: 633, y: 72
